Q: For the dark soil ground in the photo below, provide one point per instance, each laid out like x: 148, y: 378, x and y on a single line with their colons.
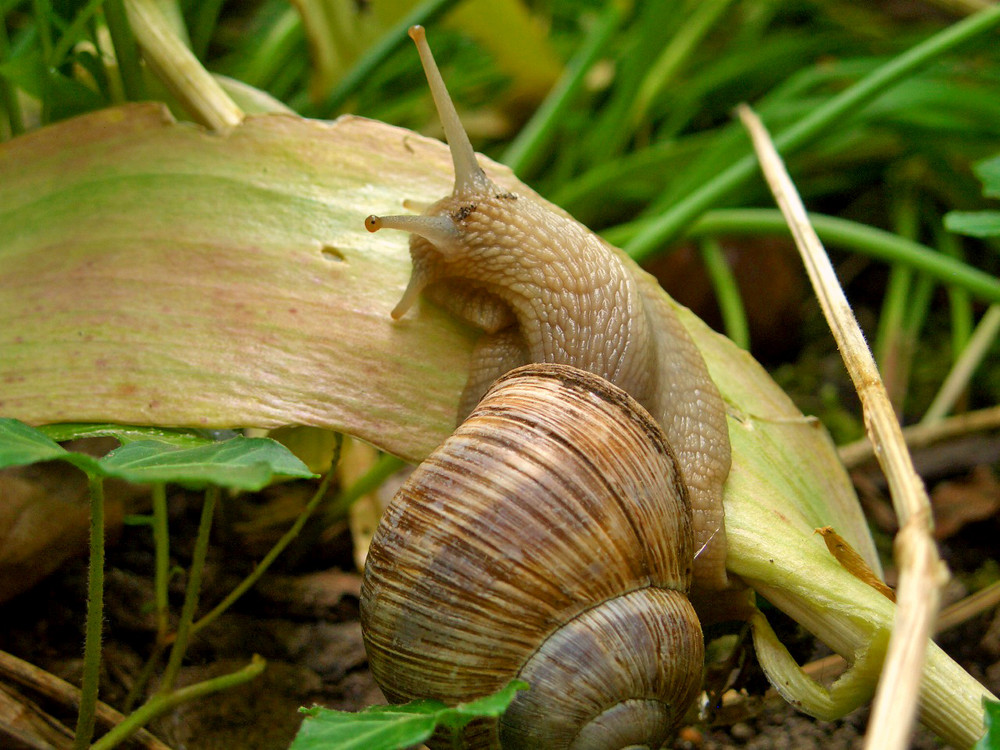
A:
x: 304, y: 620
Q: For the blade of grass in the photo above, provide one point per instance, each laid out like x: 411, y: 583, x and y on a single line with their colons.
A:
x: 727, y: 292
x: 8, y: 92
x: 961, y: 372
x: 668, y: 226
x: 875, y: 243
x: 893, y: 348
x: 523, y: 152
x: 191, y: 593
x: 425, y: 13
x: 43, y: 23
x: 918, y: 595
x: 126, y: 50
x: 678, y: 50
x: 958, y: 299
x: 206, y: 16
x: 73, y: 32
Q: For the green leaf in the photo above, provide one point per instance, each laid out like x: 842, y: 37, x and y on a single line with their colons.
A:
x: 394, y: 727
x: 988, y: 171
x: 973, y: 223
x: 123, y: 433
x: 979, y: 223
x: 240, y: 463
x: 990, y: 740
x: 21, y: 445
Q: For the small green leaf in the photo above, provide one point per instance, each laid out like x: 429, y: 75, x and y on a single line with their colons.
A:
x: 973, y: 223
x: 240, y: 463
x: 990, y: 740
x: 368, y: 730
x: 988, y: 170
x: 492, y: 705
x: 394, y: 727
x: 21, y: 445
x: 979, y: 223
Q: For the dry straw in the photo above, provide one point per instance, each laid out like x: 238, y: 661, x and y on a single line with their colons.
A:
x: 920, y: 570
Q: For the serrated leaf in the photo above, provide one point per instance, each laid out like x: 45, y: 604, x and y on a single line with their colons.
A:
x: 21, y: 445
x: 990, y: 740
x: 240, y: 463
x: 394, y: 727
x: 492, y: 705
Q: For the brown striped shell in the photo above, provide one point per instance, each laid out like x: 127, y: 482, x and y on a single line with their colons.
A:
x: 549, y: 538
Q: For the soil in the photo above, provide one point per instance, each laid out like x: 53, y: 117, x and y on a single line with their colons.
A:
x: 303, y: 619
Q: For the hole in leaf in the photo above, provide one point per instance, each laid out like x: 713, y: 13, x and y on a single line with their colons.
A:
x: 333, y: 254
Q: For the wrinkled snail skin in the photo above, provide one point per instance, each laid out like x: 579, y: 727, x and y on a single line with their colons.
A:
x: 544, y: 288
x: 566, y: 563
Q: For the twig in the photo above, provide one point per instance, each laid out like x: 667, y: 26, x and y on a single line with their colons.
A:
x: 48, y: 685
x: 896, y: 698
x: 921, y: 435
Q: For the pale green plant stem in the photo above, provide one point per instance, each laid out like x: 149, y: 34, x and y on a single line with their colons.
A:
x: 727, y: 292
x: 95, y: 619
x: 161, y: 577
x: 892, y: 346
x: 161, y: 545
x: 163, y: 702
x: 876, y: 243
x: 958, y: 298
x: 184, y: 629
x: 666, y: 227
x: 960, y: 374
x: 276, y: 550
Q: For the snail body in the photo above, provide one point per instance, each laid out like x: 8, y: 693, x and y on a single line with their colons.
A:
x: 566, y: 564
x: 555, y: 535
x: 544, y: 288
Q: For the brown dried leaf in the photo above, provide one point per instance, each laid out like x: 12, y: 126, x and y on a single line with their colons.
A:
x: 966, y: 501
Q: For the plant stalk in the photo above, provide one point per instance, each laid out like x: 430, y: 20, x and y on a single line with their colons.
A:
x: 95, y: 619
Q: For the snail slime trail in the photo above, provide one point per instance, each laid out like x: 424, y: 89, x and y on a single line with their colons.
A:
x: 611, y: 577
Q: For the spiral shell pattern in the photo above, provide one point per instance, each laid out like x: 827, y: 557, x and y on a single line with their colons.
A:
x: 549, y: 538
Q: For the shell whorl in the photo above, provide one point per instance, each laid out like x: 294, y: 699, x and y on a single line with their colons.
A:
x: 550, y: 529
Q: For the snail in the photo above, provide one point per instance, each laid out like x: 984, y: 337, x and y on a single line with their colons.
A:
x: 550, y: 295
x: 549, y: 538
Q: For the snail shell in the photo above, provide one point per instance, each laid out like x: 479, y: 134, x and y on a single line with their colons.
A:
x: 549, y: 539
